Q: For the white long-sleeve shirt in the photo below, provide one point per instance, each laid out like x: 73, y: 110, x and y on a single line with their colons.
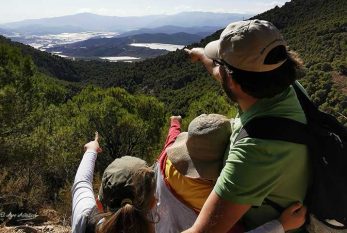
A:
x: 83, y: 200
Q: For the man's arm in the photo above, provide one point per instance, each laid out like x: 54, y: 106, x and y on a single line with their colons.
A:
x: 218, y: 215
x: 198, y: 55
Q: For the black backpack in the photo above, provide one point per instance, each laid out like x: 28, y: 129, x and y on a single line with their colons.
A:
x: 326, y: 139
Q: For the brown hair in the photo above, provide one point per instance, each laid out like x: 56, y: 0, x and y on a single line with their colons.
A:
x: 270, y: 83
x: 134, y: 216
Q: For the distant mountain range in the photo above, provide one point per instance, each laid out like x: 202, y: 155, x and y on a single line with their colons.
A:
x: 4, y: 31
x: 92, y: 22
x: 66, y: 35
x: 170, y: 29
x: 88, y: 35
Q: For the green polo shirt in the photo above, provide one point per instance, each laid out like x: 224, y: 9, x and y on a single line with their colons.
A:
x: 256, y: 169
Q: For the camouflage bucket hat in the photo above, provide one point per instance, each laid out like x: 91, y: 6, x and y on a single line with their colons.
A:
x: 117, y: 181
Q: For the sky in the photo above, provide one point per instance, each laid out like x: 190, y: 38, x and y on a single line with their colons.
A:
x: 16, y: 10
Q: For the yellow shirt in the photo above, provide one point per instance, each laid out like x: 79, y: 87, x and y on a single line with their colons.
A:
x: 193, y: 191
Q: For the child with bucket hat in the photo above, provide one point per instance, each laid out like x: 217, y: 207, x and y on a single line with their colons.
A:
x: 187, y: 170
x: 134, y: 197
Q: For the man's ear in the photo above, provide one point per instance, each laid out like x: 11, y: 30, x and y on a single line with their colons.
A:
x: 236, y: 87
x: 216, y: 73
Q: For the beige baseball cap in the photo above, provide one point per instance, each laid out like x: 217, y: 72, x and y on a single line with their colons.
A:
x: 199, y: 152
x: 244, y: 45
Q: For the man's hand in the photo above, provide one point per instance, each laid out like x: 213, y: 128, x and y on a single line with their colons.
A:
x: 179, y: 118
x: 195, y: 54
x: 198, y: 55
x: 93, y: 145
x: 293, y: 217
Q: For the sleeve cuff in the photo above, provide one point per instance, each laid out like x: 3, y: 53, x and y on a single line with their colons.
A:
x: 91, y: 150
x: 227, y: 195
x: 175, y: 122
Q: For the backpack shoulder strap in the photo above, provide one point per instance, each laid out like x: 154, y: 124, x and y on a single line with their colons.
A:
x: 276, y: 128
x: 313, y: 114
x: 305, y: 102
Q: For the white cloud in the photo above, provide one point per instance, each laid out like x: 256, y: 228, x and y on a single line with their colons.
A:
x: 104, y: 11
x: 84, y: 10
x: 259, y: 7
x: 272, y: 4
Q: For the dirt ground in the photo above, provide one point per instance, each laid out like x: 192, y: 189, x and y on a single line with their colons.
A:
x: 47, y: 227
x: 52, y: 223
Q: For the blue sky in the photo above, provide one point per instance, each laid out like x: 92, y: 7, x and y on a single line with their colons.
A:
x: 16, y: 10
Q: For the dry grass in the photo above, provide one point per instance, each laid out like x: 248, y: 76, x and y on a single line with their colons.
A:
x: 340, y: 81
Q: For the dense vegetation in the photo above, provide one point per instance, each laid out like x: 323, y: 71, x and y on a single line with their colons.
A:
x: 45, y: 122
x: 51, y: 106
x: 171, y: 78
x: 43, y: 129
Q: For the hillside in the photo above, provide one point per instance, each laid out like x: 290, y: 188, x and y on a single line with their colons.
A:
x: 315, y: 28
x: 323, y: 49
x: 45, y: 122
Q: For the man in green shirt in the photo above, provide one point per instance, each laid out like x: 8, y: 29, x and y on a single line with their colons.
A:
x: 256, y: 71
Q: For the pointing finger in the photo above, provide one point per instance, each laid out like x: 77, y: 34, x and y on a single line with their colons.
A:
x: 188, y: 51
x: 96, y: 136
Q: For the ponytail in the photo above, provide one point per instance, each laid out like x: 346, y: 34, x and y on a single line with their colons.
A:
x: 126, y: 220
x: 133, y: 215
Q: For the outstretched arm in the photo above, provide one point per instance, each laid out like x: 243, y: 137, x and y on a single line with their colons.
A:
x: 174, y: 131
x: 198, y: 55
x: 83, y: 200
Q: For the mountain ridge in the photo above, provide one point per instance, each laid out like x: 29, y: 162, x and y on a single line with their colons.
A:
x: 171, y: 29
x: 94, y: 22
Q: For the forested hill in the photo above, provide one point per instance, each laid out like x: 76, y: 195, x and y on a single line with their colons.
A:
x: 316, y: 29
x: 45, y: 122
x: 52, y: 65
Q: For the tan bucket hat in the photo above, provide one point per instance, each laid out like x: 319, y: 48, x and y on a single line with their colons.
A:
x: 244, y: 45
x: 199, y: 152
